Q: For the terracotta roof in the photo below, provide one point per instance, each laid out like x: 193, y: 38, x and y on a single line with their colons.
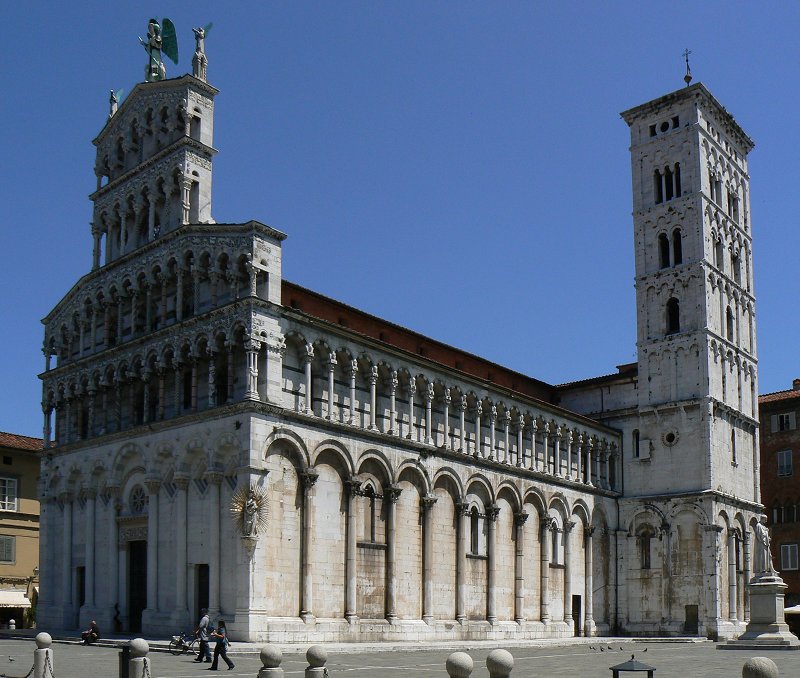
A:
x: 20, y: 442
x: 777, y: 396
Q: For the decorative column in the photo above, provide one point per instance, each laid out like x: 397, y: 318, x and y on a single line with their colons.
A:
x: 746, y: 573
x: 66, y: 564
x: 446, y: 400
x: 214, y: 572
x: 177, y: 366
x: 120, y: 319
x: 393, y: 384
x: 568, y: 525
x: 429, y: 414
x: 462, y: 425
x: 373, y: 399
x: 579, y: 459
x: 353, y: 489
x: 67, y: 419
x: 427, y: 557
x: 478, y: 441
x: 534, y: 459
x: 521, y: 441
x: 230, y: 346
x: 462, y: 511
x: 251, y: 348
x: 148, y: 307
x: 91, y: 498
x: 308, y: 358
x: 412, y: 389
x: 598, y: 478
x: 519, y: 562
x: 308, y: 478
x: 331, y: 384
x: 146, y: 396
x: 353, y: 373
x: 570, y: 439
x: 492, y: 433
x: 546, y: 448
x: 391, y: 494
x: 179, y: 294
x: 162, y: 307
x: 47, y: 410
x: 181, y: 524
x: 732, y: 589
x: 95, y: 248
x: 589, y: 446
x: 194, y: 361
x: 557, y: 452
x: 153, y: 486
x: 491, y: 564
x: 588, y: 615
x: 212, y: 378
x: 113, y: 575
x: 186, y: 193
x: 544, y: 595
x: 507, y: 428
x: 161, y: 395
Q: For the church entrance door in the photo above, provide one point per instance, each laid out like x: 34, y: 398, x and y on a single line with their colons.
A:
x: 691, y: 625
x: 576, y: 615
x: 137, y: 583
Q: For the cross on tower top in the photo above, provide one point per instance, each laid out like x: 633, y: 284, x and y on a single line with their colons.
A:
x: 688, y: 77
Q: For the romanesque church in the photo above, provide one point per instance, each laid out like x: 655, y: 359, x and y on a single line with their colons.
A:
x: 220, y: 437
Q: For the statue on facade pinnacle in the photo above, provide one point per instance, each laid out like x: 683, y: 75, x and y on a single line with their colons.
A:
x: 113, y: 101
x: 160, y: 38
x: 199, y: 60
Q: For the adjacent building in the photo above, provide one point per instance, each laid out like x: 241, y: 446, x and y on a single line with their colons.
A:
x: 220, y: 437
x: 19, y: 528
x: 780, y: 488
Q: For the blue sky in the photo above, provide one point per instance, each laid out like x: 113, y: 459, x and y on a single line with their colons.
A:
x: 459, y: 168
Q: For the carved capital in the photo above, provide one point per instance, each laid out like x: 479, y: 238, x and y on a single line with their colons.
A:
x: 427, y: 502
x: 392, y: 493
x: 353, y: 486
x: 181, y: 481
x: 309, y: 478
x: 462, y: 508
x: 520, y: 518
x: 153, y: 485
x: 492, y: 511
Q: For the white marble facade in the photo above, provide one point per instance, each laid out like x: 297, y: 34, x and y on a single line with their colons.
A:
x: 407, y: 496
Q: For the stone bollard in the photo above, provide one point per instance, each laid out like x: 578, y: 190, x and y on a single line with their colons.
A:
x: 271, y: 658
x: 43, y: 656
x: 499, y: 662
x: 459, y: 665
x: 316, y: 655
x: 139, y: 664
x: 12, y: 625
x: 760, y: 667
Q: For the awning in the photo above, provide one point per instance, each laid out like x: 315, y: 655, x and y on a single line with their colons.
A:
x: 14, y: 599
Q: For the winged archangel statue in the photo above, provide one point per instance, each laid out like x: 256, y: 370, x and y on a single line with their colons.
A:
x: 160, y: 38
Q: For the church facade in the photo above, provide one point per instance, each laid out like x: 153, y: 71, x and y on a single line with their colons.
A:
x: 219, y: 437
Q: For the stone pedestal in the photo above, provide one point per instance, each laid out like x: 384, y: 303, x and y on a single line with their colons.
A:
x: 767, y: 628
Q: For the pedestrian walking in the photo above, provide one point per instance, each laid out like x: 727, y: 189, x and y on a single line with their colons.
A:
x: 202, y: 634
x: 220, y: 635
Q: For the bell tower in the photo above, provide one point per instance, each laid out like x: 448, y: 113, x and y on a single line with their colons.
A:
x: 697, y: 386
x: 154, y: 161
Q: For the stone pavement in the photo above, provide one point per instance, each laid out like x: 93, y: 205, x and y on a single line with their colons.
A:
x: 573, y: 659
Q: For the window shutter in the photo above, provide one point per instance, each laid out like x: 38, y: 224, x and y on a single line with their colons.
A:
x: 773, y: 425
x: 792, y: 424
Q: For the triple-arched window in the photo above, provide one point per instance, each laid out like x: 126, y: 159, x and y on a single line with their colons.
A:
x: 667, y: 183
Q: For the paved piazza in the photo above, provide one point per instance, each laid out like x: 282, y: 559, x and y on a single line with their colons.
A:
x: 678, y: 660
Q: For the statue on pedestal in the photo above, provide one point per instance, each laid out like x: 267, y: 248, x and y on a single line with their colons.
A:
x: 762, y: 564
x: 159, y: 40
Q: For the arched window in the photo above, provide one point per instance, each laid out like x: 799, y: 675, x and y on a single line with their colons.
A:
x: 719, y: 256
x: 729, y: 323
x: 673, y: 316
x: 733, y: 446
x: 557, y: 557
x: 645, y: 538
x: 677, y: 247
x: 636, y: 443
x: 737, y: 274
x: 677, y: 175
x: 790, y: 514
x: 369, y: 504
x: 663, y: 250
x: 669, y: 189
x: 658, y: 187
x: 777, y: 514
x: 474, y: 531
